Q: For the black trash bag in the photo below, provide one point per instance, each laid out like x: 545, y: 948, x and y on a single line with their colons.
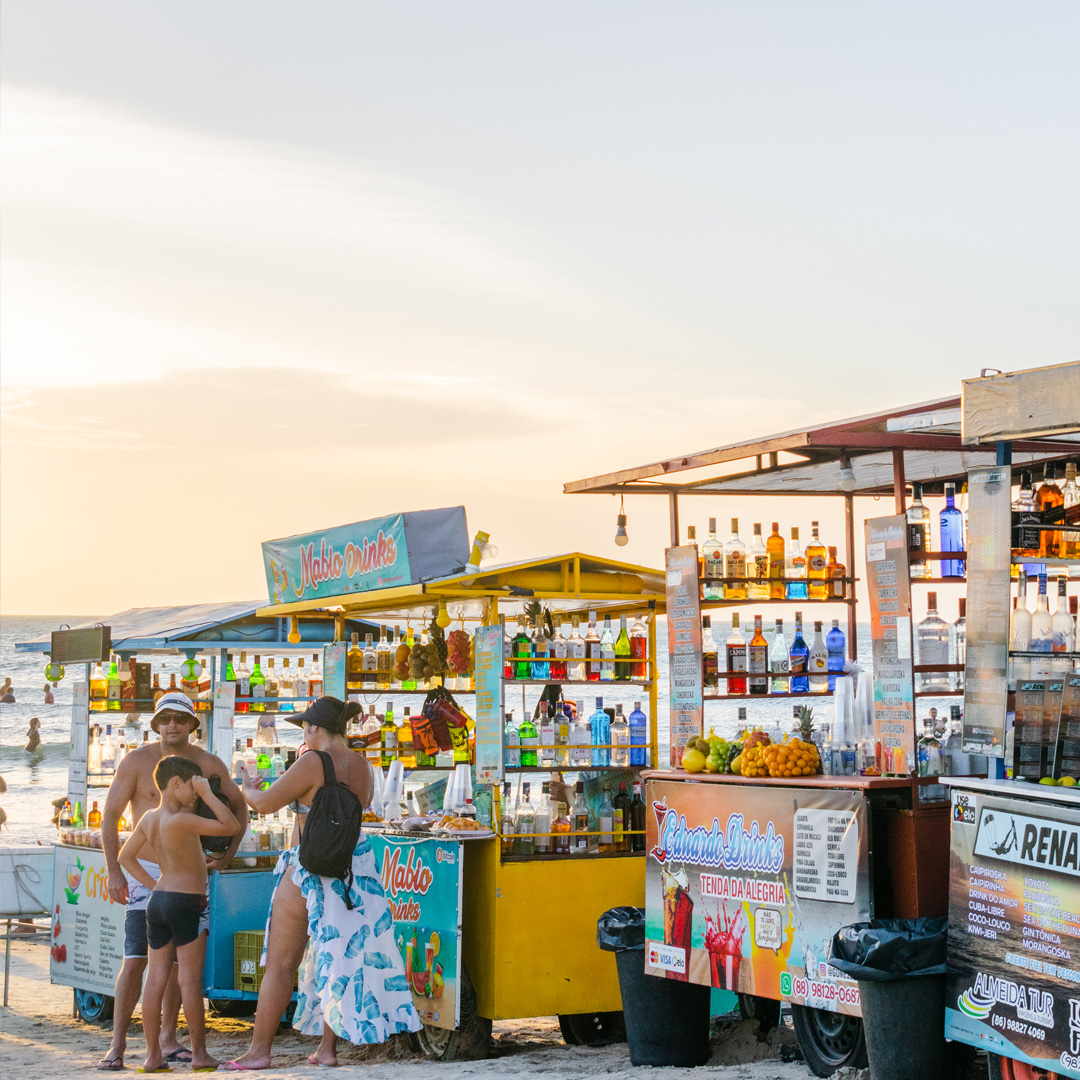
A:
x: 886, y: 949
x: 620, y: 929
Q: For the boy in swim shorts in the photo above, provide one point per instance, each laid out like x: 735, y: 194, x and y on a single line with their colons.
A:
x: 177, y: 900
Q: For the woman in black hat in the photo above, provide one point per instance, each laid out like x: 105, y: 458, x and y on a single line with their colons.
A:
x: 314, y: 929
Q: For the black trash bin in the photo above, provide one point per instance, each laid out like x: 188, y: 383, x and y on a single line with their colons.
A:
x: 900, y: 967
x: 667, y: 1021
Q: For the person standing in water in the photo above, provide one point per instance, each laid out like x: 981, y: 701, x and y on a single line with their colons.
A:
x: 33, y: 736
x: 49, y: 699
x: 7, y: 693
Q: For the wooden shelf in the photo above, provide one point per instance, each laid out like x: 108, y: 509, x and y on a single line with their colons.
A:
x: 763, y: 697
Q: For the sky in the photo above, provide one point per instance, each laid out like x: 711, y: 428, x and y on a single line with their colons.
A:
x: 268, y: 267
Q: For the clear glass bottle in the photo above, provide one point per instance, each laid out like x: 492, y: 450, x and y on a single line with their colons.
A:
x: 817, y: 662
x: 273, y: 687
x: 561, y: 828
x: 243, y: 683
x: 547, y: 736
x: 712, y: 565
x: 779, y: 663
x: 580, y: 841
x: 277, y: 764
x: 384, y: 661
x: 932, y: 643
x: 239, y: 760
x: 315, y: 679
x: 600, y: 735
x: 817, y: 566
x: 757, y: 567
x: 286, y: 688
x: 575, y: 653
x: 798, y: 660
x: 371, y: 663
x: 758, y: 660
x: 735, y: 650
x: 108, y: 754
x: 1042, y: 634
x: 836, y: 646
x: 301, y: 683
x: 607, y: 652
x: 592, y: 650
x: 620, y: 739
x: 1064, y: 630
x: 958, y: 636
x: 371, y: 734
x: 542, y: 819
x: 774, y: 548
x: 529, y: 739
x: 1020, y: 631
x: 623, y: 665
x: 512, y: 740
x: 580, y: 739
x: 606, y: 825
x: 710, y: 657
x: 538, y: 668
x: 735, y: 565
x: 796, y: 569
x: 525, y: 824
x: 952, y: 534
x: 639, y: 735
x: 557, y: 670
x: 918, y: 523
x: 639, y: 649
x: 929, y: 750
x: 93, y: 755
x: 506, y: 820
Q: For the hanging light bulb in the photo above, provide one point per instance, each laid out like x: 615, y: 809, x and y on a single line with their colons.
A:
x: 847, y: 474
x: 621, y: 539
x: 294, y: 631
x: 443, y: 618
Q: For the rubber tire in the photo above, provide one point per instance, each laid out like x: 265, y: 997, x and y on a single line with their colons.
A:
x: 1002, y: 1068
x: 766, y: 1011
x: 232, y: 1006
x: 829, y: 1041
x: 94, y: 1008
x: 592, y: 1029
x: 469, y: 1041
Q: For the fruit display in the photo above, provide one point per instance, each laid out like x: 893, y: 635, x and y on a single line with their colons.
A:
x: 792, y: 757
x: 753, y: 759
x: 754, y: 753
x: 458, y: 659
x: 427, y: 661
x: 401, y: 662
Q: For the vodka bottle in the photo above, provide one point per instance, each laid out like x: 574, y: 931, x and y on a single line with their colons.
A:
x: 958, y: 634
x: 302, y: 684
x: 620, y: 738
x: 286, y: 688
x: 575, y: 653
x: 108, y: 754
x: 758, y: 660
x: 542, y: 819
x: 779, y: 662
x: 735, y: 565
x: 539, y: 666
x: 273, y: 687
x: 918, y: 523
x: 1020, y: 631
x: 384, y: 661
x: 798, y: 660
x: 817, y: 662
x: 607, y: 652
x: 251, y: 759
x: 836, y: 645
x: 953, y: 761
x: 93, y: 756
x: 547, y: 735
x: 796, y: 569
x: 580, y: 739
x: 639, y: 735
x: 1064, y: 631
x: 370, y: 733
x: 239, y: 759
x: 933, y: 646
x: 735, y: 648
x: 712, y: 564
x: 757, y: 567
x: 592, y: 650
x: 710, y: 659
x: 1042, y: 634
x: 370, y: 674
x: 929, y: 751
x: 243, y: 683
x: 622, y: 652
x: 524, y: 824
x: 600, y: 735
x: 952, y: 534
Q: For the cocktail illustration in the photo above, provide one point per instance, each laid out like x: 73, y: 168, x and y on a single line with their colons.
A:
x: 74, y: 880
x: 678, y: 915
x: 723, y: 942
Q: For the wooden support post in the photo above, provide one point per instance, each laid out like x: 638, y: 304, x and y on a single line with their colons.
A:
x: 899, y: 482
x: 673, y: 513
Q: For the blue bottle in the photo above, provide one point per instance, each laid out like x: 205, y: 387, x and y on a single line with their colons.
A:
x: 952, y: 534
x: 836, y: 644
x: 639, y: 735
x: 798, y: 657
x: 600, y: 725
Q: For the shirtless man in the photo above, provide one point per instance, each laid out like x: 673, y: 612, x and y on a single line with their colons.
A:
x: 174, y: 720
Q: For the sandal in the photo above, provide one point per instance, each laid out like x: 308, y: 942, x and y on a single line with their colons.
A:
x: 110, y: 1064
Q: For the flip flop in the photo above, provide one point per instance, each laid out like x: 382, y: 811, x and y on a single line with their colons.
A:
x: 232, y: 1066
x: 177, y: 1055
x: 160, y: 1068
x: 110, y: 1064
x: 204, y: 1068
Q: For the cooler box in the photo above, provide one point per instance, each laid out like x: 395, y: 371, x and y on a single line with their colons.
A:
x: 26, y: 881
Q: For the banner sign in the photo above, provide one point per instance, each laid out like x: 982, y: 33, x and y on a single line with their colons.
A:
x: 334, y: 670
x: 745, y: 887
x: 402, y: 549
x: 489, y: 704
x: 684, y: 647
x: 1013, y: 986
x: 422, y: 880
x: 88, y: 928
x: 80, y: 740
x: 889, y: 585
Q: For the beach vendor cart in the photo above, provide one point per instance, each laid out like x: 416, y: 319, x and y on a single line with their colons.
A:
x: 763, y: 844
x: 496, y: 913
x: 125, y: 661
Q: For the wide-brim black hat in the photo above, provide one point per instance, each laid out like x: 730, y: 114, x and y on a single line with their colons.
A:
x: 325, y: 712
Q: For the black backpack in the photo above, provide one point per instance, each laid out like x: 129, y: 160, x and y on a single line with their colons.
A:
x: 331, y: 830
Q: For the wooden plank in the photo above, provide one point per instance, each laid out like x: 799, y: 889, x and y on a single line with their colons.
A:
x: 1022, y: 404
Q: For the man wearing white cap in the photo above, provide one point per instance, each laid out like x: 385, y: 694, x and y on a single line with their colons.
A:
x: 174, y: 720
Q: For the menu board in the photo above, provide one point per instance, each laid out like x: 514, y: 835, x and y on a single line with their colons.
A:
x: 889, y: 586
x: 1013, y: 986
x: 80, y: 735
x: 224, y: 707
x: 334, y: 670
x: 684, y: 646
x: 746, y: 885
x: 489, y: 704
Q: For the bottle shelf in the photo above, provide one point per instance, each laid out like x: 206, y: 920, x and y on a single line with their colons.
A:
x: 570, y: 768
x: 1027, y: 560
x: 1028, y: 654
x: 780, y: 581
x: 577, y: 682
x: 400, y: 693
x: 708, y: 605
x: 545, y: 856
x: 824, y: 694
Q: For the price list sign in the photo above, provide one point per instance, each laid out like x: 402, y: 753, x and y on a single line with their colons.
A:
x: 684, y: 646
x: 489, y: 704
x: 890, y: 631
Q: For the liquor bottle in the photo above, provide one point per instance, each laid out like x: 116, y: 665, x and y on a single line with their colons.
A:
x: 522, y: 650
x: 758, y: 660
x: 580, y: 739
x: 301, y: 683
x: 606, y: 824
x: 1020, y: 631
x: 388, y: 737
x: 112, y: 687
x: 817, y: 566
x: 757, y: 567
x: 1048, y: 498
x: 1064, y: 630
x: 508, y: 651
x: 579, y: 822
x: 384, y: 661
x: 371, y: 735
x: 273, y: 687
x: 600, y: 735
x: 592, y: 651
x: 712, y: 565
x: 172, y: 684
x: 836, y: 646
x: 637, y: 820
x: 691, y: 538
x: 817, y: 662
x: 796, y: 588
x: 607, y: 652
x: 410, y: 640
x: 542, y: 819
x: 735, y: 648
x: 639, y: 735
x: 798, y: 659
x: 277, y: 764
x: 251, y: 759
x: 1026, y: 538
x: 286, y: 688
x: 1070, y: 494
x: 529, y: 738
x: 1042, y: 634
x: 239, y: 761
x: 370, y: 672
x: 952, y: 534
x: 778, y: 661
x: 710, y: 658
x: 547, y: 736
x: 108, y: 754
x: 263, y: 768
x: 243, y: 684
x: 575, y: 653
x: 406, y: 749
x: 837, y: 572
x: 562, y: 735
x: 557, y: 671
x: 99, y: 689
x: 538, y: 668
x: 561, y: 828
x: 257, y: 683
x: 622, y: 652
x: 620, y: 739
x: 524, y: 824
x: 918, y: 526
x: 93, y: 819
x: 506, y: 821
x: 156, y: 690
x: 639, y: 649
x: 777, y: 564
x: 958, y: 634
x: 354, y: 664
x: 929, y: 751
x: 933, y: 646
x: 315, y: 679
x: 735, y: 565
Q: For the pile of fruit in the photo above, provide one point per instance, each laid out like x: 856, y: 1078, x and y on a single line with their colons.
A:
x: 792, y: 757
x: 753, y: 754
x: 457, y: 659
x: 425, y: 661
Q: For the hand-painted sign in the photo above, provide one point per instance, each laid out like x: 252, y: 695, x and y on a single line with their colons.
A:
x: 489, y: 704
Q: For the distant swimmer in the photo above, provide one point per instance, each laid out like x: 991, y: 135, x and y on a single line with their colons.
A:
x: 49, y: 699
x: 33, y: 736
x: 7, y: 694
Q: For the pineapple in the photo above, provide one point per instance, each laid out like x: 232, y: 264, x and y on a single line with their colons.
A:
x: 806, y: 723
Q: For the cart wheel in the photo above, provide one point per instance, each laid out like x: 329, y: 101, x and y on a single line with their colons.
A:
x: 470, y: 1041
x: 93, y: 1008
x: 592, y: 1029
x: 829, y: 1040
x: 765, y: 1011
x: 232, y: 1006
x: 1003, y: 1068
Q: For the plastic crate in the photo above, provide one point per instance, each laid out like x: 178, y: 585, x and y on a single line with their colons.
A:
x: 247, y: 952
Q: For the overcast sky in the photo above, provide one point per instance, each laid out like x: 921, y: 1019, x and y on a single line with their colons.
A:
x: 271, y: 266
